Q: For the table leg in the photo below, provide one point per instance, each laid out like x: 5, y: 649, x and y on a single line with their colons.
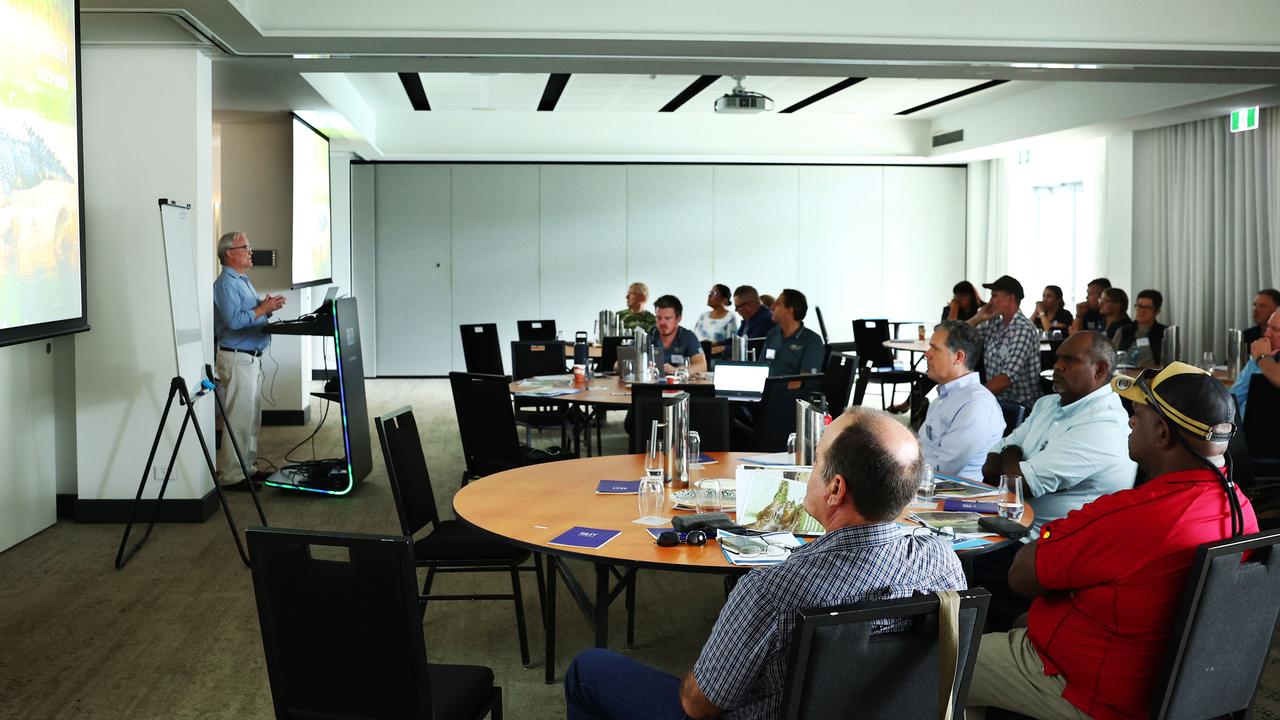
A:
x: 602, y: 605
x: 549, y: 619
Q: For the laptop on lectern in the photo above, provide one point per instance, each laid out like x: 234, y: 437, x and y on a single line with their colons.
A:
x: 740, y: 381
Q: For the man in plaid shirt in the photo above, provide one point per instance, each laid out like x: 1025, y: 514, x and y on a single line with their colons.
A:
x: 865, y: 472
x: 1010, y: 344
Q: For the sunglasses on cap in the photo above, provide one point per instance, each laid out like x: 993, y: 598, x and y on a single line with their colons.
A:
x: 671, y: 538
x: 1144, y: 382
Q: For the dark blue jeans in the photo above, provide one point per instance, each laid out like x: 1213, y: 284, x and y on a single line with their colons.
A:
x: 602, y: 684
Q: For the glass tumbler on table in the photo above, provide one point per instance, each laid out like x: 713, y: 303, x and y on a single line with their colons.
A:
x: 1206, y: 363
x: 925, y: 490
x: 655, y: 457
x: 1010, y: 507
x: 706, y: 496
x: 652, y: 498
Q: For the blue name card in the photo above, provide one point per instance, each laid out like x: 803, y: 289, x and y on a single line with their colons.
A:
x: 618, y: 487
x: 585, y: 537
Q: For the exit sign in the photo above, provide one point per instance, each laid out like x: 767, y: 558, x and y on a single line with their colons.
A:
x: 1244, y: 119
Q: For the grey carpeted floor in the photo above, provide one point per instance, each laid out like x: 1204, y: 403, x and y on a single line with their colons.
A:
x: 175, y: 634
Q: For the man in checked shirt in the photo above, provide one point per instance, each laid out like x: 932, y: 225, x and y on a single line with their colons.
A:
x: 865, y: 472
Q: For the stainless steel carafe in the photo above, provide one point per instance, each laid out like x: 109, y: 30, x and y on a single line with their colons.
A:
x: 675, y: 416
x: 1171, y: 346
x: 811, y: 421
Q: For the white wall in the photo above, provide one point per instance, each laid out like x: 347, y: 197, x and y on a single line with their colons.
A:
x: 562, y: 241
x: 1116, y: 224
x: 37, y: 434
x: 340, y: 215
x: 147, y: 135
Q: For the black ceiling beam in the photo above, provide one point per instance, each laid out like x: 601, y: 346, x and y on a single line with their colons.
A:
x: 695, y: 87
x: 823, y: 94
x: 953, y: 96
x: 412, y: 83
x: 551, y: 93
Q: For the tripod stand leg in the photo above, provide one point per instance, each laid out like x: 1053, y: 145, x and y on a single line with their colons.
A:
x: 222, y: 498
x: 122, y: 557
x: 244, y: 469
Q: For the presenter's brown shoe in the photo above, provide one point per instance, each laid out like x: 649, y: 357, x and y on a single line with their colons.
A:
x: 260, y: 476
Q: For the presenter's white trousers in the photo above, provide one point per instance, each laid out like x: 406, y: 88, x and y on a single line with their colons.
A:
x: 241, y: 381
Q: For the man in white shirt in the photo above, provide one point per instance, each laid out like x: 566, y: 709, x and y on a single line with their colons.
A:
x: 965, y: 421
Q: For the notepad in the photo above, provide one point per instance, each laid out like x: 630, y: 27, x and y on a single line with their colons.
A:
x: 618, y: 487
x: 584, y: 537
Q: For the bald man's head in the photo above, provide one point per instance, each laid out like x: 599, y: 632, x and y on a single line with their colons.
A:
x: 878, y: 458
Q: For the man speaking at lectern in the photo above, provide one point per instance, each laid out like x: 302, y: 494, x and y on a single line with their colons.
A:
x: 238, y: 319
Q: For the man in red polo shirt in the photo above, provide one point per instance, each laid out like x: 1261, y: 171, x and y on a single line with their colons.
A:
x: 1107, y: 578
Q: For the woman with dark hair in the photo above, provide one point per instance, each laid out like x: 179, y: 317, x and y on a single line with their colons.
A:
x: 719, y: 324
x: 964, y: 302
x: 1051, y: 312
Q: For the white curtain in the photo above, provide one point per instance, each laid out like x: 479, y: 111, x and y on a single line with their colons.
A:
x: 1206, y: 224
x: 987, y: 241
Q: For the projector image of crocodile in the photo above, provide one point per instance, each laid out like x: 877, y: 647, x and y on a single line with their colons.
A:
x: 25, y: 162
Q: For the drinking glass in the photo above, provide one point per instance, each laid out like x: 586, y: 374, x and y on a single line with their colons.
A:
x: 693, y: 458
x: 925, y: 489
x: 1207, y: 362
x: 626, y: 369
x: 655, y: 458
x: 1010, y: 508
x: 652, y: 499
x: 791, y: 444
x: 706, y: 496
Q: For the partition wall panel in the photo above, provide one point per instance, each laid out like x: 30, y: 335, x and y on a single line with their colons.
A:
x: 562, y: 241
x: 496, y: 268
x: 412, y: 292
x: 583, y: 257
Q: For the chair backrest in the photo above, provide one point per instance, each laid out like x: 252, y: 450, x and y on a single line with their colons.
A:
x: 755, y: 349
x: 838, y: 661
x: 709, y: 416
x: 1262, y: 417
x: 775, y: 415
x: 342, y: 638
x: 822, y: 324
x: 837, y: 381
x: 480, y: 349
x: 486, y: 422
x: 1222, y: 631
x: 1014, y: 413
x: 537, y: 357
x: 407, y: 470
x: 870, y: 336
x: 609, y: 352
x: 645, y: 407
x: 536, y: 329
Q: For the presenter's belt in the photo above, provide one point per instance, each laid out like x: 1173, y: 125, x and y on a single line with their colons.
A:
x: 255, y: 353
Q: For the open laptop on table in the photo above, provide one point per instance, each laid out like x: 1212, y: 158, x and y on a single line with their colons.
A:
x: 740, y: 381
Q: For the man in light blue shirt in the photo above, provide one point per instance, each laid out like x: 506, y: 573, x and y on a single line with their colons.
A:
x: 1074, y: 447
x: 238, y: 318
x: 1264, y: 359
x: 965, y: 421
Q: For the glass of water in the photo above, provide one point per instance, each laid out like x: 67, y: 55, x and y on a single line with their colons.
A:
x: 652, y: 499
x: 626, y: 369
x: 706, y: 496
x: 1206, y: 362
x: 925, y: 489
x: 655, y: 457
x: 1010, y: 497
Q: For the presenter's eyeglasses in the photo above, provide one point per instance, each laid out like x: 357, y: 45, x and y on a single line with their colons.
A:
x: 671, y: 538
x: 241, y: 247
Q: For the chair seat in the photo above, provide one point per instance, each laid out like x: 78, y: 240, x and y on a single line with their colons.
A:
x: 892, y: 377
x: 456, y: 543
x: 459, y: 691
x: 540, y: 416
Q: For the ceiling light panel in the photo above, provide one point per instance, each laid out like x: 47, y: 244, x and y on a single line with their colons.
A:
x: 506, y: 92
x: 882, y: 97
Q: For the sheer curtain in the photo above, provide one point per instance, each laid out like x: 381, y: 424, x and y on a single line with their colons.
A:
x: 1206, y: 224
x: 987, y: 245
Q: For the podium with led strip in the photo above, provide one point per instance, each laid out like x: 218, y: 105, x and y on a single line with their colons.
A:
x: 338, y: 320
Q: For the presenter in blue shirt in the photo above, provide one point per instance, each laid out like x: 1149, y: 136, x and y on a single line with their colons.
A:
x: 965, y: 421
x: 238, y: 318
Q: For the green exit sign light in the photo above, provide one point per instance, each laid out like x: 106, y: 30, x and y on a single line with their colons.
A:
x: 1244, y: 119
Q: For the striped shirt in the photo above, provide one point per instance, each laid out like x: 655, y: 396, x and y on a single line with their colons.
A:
x: 1013, y: 350
x: 743, y: 664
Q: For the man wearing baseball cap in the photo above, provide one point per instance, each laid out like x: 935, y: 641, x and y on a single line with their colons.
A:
x: 1108, y: 577
x: 1010, y: 343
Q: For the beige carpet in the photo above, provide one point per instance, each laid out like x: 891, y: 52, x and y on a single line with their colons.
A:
x: 175, y: 634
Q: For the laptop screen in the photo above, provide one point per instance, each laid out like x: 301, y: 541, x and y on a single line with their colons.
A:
x: 738, y: 377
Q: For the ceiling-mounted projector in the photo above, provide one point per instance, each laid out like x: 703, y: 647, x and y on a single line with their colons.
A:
x: 743, y: 101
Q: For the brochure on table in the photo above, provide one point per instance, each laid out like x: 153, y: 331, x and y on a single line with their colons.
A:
x: 771, y: 498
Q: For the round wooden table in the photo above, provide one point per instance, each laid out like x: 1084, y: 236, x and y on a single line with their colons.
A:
x: 606, y: 391
x: 530, y: 506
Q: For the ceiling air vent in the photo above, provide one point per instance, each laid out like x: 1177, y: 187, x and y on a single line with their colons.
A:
x: 948, y: 138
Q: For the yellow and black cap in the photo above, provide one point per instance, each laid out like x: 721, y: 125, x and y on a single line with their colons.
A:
x: 1190, y: 398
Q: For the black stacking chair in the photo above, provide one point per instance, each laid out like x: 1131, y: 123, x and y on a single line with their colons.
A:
x: 774, y: 417
x: 1014, y: 413
x: 536, y: 329
x: 343, y: 637
x: 875, y: 361
x: 609, y: 352
x: 837, y: 381
x: 755, y: 349
x: 822, y: 324
x: 1261, y: 419
x: 534, y: 358
x: 480, y: 349
x: 645, y: 408
x: 706, y: 353
x: 487, y: 425
x: 899, y: 676
x: 449, y: 546
x: 1222, y: 631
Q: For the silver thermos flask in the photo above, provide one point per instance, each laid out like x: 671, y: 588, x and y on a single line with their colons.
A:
x: 811, y: 421
x: 675, y: 415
